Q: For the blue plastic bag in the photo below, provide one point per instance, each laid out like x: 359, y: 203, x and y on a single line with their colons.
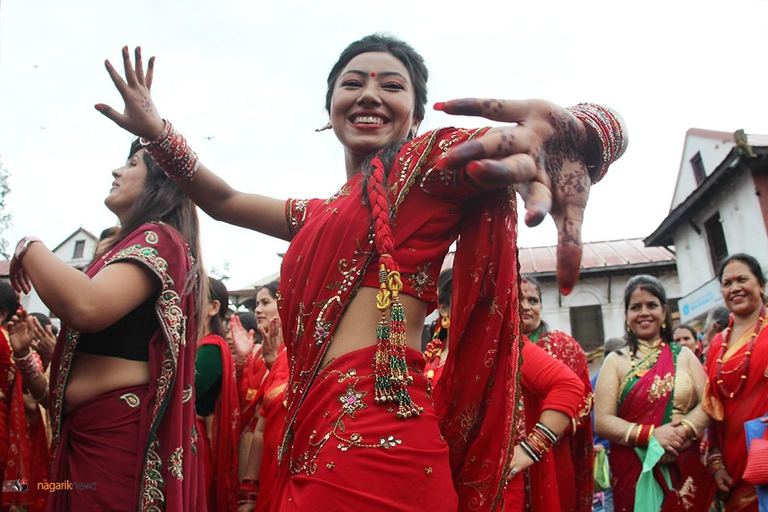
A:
x: 755, y: 430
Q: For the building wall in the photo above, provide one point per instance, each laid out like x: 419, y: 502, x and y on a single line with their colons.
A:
x: 743, y: 226
x: 713, y: 152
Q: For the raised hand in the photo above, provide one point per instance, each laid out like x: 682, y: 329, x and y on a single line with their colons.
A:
x: 242, y: 341
x: 140, y: 116
x: 19, y: 278
x: 44, y: 341
x: 271, y: 338
x: 20, y: 332
x: 543, y: 155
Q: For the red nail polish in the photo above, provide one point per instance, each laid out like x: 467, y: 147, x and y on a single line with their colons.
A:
x: 440, y: 105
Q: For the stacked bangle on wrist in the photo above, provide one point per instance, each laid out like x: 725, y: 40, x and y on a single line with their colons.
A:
x: 608, y: 131
x: 28, y: 366
x: 538, y: 442
x: 249, y: 490
x: 644, y: 433
x: 171, y: 152
x: 715, y: 463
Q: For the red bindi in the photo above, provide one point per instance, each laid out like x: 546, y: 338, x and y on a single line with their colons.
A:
x: 373, y: 73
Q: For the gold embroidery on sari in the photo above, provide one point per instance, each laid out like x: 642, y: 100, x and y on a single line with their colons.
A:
x: 661, y: 387
x: 421, y: 281
x: 152, y: 497
x: 186, y: 395
x: 482, y: 486
x: 176, y: 463
x: 131, y: 399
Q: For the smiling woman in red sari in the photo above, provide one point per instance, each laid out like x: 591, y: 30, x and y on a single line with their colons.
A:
x: 358, y: 278
x: 123, y: 368
x: 647, y: 403
x: 737, y: 364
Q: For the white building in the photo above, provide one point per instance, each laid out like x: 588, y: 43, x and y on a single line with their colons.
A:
x: 719, y: 207
x: 76, y: 251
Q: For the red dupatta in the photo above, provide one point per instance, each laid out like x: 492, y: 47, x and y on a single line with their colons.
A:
x: 169, y: 475
x: 224, y: 437
x: 480, y: 382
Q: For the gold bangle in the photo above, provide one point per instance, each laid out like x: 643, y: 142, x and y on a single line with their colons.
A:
x: 629, y: 431
x: 637, y: 435
x: 687, y: 424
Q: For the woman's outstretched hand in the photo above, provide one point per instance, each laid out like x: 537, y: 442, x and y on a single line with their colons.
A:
x: 242, y: 340
x: 271, y: 338
x: 140, y: 116
x: 543, y: 155
x: 20, y: 332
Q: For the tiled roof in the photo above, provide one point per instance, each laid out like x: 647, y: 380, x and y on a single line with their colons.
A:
x: 595, y: 256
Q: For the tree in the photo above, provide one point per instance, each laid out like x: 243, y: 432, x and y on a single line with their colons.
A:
x: 221, y: 274
x: 5, y: 215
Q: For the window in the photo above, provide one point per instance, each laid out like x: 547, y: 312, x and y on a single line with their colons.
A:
x: 79, y: 249
x: 718, y: 250
x: 587, y: 326
x: 698, y: 168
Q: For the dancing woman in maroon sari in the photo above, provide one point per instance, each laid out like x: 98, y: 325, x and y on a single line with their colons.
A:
x: 648, y: 404
x: 358, y: 278
x: 122, y: 375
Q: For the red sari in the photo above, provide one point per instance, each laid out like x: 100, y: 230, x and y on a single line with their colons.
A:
x: 28, y: 451
x: 223, y: 481
x: 573, y: 453
x: 474, y: 406
x: 646, y: 397
x: 547, y: 385
x: 248, y: 387
x: 273, y: 410
x: 729, y: 414
x: 136, y: 445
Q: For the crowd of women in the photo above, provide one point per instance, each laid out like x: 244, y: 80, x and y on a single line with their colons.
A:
x: 157, y: 396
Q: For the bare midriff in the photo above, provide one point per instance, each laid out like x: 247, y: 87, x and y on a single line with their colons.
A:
x: 93, y: 375
x: 357, y: 328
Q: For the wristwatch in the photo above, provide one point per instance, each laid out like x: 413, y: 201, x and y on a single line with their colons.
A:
x: 23, y: 245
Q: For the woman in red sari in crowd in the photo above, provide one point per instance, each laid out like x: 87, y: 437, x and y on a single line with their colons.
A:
x: 216, y: 402
x: 122, y: 375
x: 358, y: 278
x: 737, y: 386
x: 648, y: 405
x: 573, y: 453
x: 553, y: 398
x: 687, y: 336
x: 261, y: 470
x: 250, y: 370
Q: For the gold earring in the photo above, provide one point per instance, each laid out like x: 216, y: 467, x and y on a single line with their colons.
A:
x: 664, y: 326
x: 628, y: 329
x: 445, y: 321
x: 328, y: 126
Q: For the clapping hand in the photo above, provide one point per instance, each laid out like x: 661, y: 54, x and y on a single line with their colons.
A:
x: 243, y: 341
x: 271, y: 338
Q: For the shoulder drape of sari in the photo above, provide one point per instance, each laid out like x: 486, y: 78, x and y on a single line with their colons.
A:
x: 225, y: 484
x: 727, y: 431
x: 169, y: 467
x: 480, y: 380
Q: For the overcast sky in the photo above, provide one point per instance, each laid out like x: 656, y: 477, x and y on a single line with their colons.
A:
x: 251, y: 75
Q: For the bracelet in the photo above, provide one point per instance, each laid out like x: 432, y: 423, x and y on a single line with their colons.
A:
x: 644, y: 435
x: 171, y: 152
x: 23, y: 245
x: 249, y: 490
x: 529, y: 451
x: 609, y: 133
x: 28, y: 366
x: 539, y: 441
x: 715, y: 463
x: 629, y: 432
x: 688, y: 425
